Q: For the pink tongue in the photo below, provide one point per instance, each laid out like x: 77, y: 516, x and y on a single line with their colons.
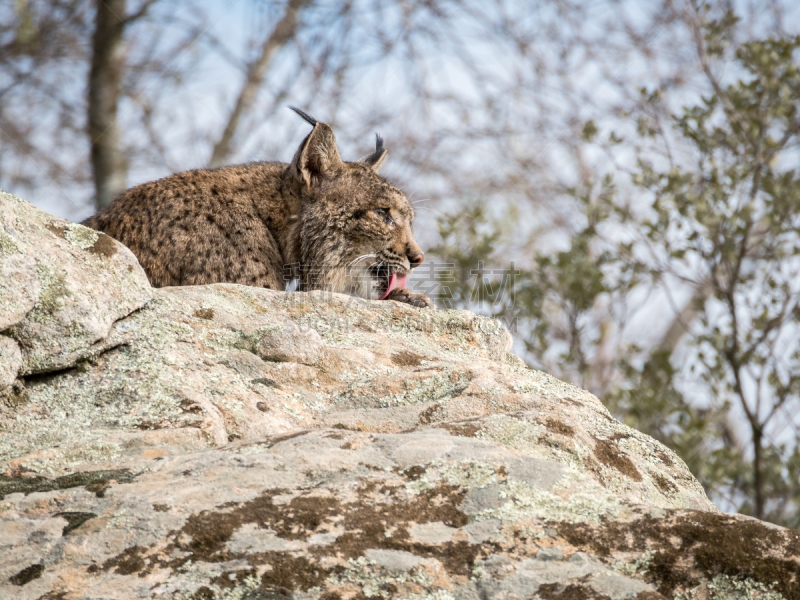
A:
x: 396, y: 282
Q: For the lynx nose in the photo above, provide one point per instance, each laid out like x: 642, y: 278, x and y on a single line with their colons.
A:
x: 416, y: 260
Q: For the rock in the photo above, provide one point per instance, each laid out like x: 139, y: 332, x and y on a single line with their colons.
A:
x: 230, y: 442
x: 62, y: 286
x: 289, y: 343
x: 10, y: 362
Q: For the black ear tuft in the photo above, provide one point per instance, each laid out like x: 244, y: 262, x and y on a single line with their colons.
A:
x: 308, y: 118
x: 375, y: 160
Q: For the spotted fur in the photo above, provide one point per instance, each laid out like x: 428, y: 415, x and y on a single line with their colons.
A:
x: 330, y: 224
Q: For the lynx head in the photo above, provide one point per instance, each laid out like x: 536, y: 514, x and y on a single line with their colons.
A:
x: 354, y: 226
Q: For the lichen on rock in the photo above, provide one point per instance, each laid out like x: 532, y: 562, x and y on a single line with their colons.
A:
x: 232, y: 443
x: 58, y: 296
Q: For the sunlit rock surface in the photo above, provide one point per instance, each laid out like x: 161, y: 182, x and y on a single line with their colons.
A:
x: 62, y: 286
x: 226, y: 442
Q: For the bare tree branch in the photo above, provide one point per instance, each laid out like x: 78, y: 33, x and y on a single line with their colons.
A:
x: 135, y: 16
x: 283, y: 32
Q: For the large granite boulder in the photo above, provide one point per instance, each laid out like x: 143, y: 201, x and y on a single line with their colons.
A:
x: 226, y: 442
x: 62, y: 286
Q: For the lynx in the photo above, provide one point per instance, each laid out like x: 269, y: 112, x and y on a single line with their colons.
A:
x: 331, y: 225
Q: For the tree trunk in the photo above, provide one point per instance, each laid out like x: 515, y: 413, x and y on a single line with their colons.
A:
x: 758, y: 480
x: 283, y: 32
x: 105, y: 83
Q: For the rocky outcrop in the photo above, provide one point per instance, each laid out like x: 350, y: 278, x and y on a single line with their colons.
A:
x: 62, y: 287
x: 221, y: 442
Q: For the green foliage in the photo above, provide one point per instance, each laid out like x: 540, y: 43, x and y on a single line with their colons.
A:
x: 26, y: 25
x: 732, y: 224
x: 468, y: 239
x: 722, y: 223
x: 589, y: 131
x: 553, y: 302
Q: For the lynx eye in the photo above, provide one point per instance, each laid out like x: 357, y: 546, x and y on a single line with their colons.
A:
x: 384, y: 214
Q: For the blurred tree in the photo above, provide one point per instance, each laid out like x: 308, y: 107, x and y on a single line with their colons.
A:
x: 729, y: 227
x: 497, y: 78
x: 722, y: 223
x: 283, y: 32
x: 105, y: 87
x: 39, y: 41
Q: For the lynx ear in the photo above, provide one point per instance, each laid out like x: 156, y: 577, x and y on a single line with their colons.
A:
x: 318, y: 154
x: 377, y: 158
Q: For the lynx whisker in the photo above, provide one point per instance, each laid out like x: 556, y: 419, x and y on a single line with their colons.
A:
x: 355, y: 260
x: 433, y: 210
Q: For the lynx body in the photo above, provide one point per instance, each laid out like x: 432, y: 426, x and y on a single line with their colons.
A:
x: 332, y: 225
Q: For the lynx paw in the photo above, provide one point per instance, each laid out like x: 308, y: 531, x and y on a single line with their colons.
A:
x: 412, y: 298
